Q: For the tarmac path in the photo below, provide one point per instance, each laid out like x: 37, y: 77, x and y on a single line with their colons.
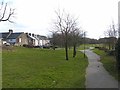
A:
x: 96, y: 75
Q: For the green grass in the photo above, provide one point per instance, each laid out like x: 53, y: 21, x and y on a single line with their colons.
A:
x: 81, y: 47
x: 40, y: 68
x: 87, y: 46
x: 109, y: 63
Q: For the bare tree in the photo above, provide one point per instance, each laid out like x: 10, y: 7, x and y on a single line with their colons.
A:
x: 6, y: 12
x: 65, y: 24
x: 54, y: 39
x: 76, y: 37
x: 111, y: 33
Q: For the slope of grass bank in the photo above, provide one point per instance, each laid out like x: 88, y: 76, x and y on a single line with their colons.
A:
x: 109, y: 63
x: 39, y: 68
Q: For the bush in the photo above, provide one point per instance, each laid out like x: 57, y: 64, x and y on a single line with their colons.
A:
x: 97, y: 47
x: 28, y: 46
x: 102, y: 48
x: 24, y: 45
x: 111, y: 52
x: 46, y: 47
x: 37, y: 46
x: 9, y: 48
x: 117, y: 50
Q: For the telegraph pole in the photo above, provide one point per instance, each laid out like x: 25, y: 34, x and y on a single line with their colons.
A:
x: 84, y: 43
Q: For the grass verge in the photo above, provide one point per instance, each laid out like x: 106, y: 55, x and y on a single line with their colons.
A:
x: 109, y: 63
x: 40, y: 68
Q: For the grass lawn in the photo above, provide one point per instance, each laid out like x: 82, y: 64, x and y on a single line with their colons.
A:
x: 40, y: 68
x: 81, y: 47
x: 109, y: 63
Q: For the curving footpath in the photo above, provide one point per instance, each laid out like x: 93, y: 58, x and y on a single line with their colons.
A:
x: 96, y: 75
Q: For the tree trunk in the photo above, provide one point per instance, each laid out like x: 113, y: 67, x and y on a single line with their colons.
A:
x: 66, y: 46
x: 53, y: 47
x: 109, y: 46
x: 74, y: 50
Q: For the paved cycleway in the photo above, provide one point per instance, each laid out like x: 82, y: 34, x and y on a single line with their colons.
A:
x: 96, y: 75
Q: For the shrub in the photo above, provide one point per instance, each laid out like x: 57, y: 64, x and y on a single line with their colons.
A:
x: 117, y: 50
x: 37, y: 47
x: 102, y: 48
x: 28, y: 46
x: 9, y: 48
x: 111, y: 52
x: 46, y: 47
x: 97, y: 47
x: 24, y: 45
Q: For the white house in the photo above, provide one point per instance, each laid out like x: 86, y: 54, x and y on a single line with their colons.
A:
x: 38, y: 40
x: 32, y: 40
x: 43, y: 40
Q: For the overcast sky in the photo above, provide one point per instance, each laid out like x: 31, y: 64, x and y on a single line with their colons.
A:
x: 36, y: 16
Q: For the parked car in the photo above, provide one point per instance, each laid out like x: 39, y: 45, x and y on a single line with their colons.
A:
x: 7, y: 44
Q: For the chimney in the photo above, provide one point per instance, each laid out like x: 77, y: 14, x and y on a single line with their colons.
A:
x: 33, y: 35
x: 26, y: 33
x: 30, y: 34
x: 10, y: 31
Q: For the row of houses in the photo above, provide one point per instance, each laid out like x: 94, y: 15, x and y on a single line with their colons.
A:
x: 21, y: 38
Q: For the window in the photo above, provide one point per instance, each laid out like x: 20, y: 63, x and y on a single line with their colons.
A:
x: 20, y: 39
x: 11, y: 40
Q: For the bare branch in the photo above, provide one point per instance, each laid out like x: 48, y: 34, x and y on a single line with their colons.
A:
x: 1, y: 6
x: 3, y: 12
x: 66, y: 24
x: 4, y: 16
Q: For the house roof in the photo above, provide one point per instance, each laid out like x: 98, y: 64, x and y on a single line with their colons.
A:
x: 31, y: 37
x: 4, y: 35
x: 7, y: 35
x: 42, y: 37
x: 37, y: 37
x: 11, y: 36
x: 14, y: 35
